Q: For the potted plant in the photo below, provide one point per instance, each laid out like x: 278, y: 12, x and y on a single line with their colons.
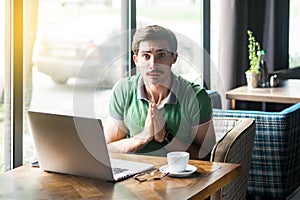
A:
x: 252, y: 74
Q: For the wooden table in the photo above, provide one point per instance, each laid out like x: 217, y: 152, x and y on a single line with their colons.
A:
x: 288, y: 92
x: 32, y: 183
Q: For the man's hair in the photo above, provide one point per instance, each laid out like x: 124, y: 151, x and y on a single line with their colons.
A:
x: 154, y: 32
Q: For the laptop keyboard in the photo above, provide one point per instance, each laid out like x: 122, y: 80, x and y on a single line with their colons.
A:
x: 117, y: 170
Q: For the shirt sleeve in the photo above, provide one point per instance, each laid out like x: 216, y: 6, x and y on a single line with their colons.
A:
x: 118, y: 100
x: 202, y: 107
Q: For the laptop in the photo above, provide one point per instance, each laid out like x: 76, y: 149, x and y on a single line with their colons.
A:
x: 76, y: 145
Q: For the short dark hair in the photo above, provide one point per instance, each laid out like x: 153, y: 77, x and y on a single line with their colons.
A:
x: 154, y: 32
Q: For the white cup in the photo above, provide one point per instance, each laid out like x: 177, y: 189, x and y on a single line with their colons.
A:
x: 178, y: 160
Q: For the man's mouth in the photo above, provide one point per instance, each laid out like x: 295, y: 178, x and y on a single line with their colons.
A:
x: 155, y: 73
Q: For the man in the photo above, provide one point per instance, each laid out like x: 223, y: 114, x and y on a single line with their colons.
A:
x: 156, y: 112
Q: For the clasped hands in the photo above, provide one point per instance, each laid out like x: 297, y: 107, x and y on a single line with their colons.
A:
x: 154, y: 125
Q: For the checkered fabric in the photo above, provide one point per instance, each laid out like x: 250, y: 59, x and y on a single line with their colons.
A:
x: 275, y: 165
x: 234, y: 145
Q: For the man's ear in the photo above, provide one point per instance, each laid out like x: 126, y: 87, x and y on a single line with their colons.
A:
x: 175, y: 56
x: 135, y: 58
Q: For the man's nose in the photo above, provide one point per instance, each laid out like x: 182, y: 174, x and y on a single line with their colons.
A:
x: 152, y: 62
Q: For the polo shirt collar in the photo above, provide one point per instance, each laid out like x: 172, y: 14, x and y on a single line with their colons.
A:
x: 171, y: 98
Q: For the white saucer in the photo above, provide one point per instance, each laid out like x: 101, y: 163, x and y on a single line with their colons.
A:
x: 189, y: 170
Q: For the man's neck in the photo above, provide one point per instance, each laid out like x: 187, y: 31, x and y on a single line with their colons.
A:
x: 156, y: 93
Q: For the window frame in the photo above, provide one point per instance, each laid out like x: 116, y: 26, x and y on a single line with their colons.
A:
x: 206, y: 42
x: 13, y: 98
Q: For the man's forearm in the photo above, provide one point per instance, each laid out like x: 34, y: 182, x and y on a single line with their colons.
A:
x: 128, y: 145
x: 178, y: 145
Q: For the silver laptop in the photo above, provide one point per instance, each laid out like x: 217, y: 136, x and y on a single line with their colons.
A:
x: 77, y: 145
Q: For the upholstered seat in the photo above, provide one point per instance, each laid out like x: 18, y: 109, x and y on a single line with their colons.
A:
x: 215, y: 98
x: 235, y: 138
x: 275, y: 167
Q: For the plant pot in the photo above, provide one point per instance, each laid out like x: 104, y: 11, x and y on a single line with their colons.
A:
x: 252, y: 79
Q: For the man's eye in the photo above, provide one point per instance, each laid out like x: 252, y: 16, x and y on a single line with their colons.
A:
x: 146, y: 56
x: 161, y: 55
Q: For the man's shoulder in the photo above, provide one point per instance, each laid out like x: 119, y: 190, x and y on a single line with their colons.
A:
x: 186, y: 85
x: 130, y: 79
x: 128, y: 82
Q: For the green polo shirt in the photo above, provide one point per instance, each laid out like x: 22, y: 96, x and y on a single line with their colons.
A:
x: 186, y: 105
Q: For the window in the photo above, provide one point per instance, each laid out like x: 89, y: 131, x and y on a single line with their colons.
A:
x: 294, y: 40
x: 71, y: 55
x: 2, y: 47
x: 214, y: 42
x: 4, y: 87
x: 185, y: 19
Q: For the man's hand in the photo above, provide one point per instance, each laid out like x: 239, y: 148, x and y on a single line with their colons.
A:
x: 148, y: 132
x: 154, y: 125
x: 158, y: 122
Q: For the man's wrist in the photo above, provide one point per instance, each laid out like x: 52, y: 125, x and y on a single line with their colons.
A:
x: 143, y: 137
x: 168, y: 138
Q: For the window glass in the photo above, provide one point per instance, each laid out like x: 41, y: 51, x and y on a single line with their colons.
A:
x: 67, y: 50
x: 2, y: 29
x: 214, y: 42
x: 294, y: 40
x: 184, y: 17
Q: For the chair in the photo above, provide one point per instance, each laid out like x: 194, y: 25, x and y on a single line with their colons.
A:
x: 275, y: 167
x: 215, y: 98
x: 235, y: 138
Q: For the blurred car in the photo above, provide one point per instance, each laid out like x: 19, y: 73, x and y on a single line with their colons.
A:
x: 83, y: 48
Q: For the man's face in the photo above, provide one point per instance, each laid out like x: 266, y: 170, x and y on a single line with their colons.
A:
x: 154, y: 61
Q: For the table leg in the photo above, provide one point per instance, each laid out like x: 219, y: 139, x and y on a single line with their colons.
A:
x: 263, y: 106
x: 233, y: 104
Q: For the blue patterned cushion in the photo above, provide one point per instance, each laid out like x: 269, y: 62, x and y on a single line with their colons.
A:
x: 275, y: 166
